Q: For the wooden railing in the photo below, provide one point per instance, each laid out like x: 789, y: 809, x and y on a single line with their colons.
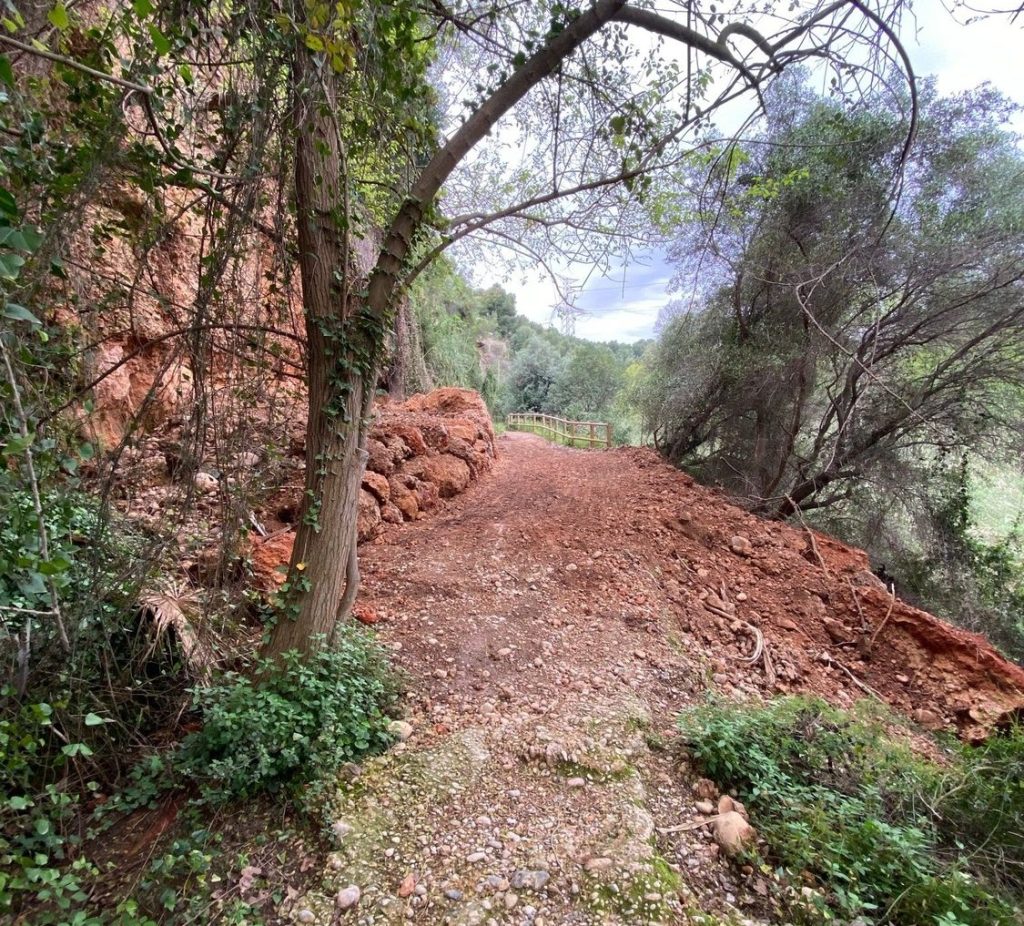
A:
x: 570, y: 433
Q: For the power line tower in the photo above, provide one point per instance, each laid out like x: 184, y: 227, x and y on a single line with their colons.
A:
x: 567, y: 315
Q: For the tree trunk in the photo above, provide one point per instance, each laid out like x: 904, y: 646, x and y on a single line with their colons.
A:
x: 340, y: 375
x: 345, y: 336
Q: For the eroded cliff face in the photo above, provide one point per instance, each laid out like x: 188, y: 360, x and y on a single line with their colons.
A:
x: 168, y: 319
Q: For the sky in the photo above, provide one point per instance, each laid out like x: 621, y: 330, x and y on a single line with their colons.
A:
x: 624, y: 305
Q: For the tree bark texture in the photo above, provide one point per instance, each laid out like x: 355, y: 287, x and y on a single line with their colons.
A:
x: 338, y: 387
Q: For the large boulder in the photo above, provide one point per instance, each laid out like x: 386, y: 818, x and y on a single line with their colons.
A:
x: 403, y: 496
x: 377, y: 485
x: 369, y: 521
x: 450, y: 474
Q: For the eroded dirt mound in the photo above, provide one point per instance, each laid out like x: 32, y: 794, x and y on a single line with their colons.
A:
x: 823, y: 615
x: 420, y: 451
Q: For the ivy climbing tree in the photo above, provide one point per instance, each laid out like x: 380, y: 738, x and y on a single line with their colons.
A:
x: 648, y: 137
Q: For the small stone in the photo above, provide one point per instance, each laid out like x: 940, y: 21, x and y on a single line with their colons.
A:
x: 598, y: 864
x: 576, y: 782
x: 305, y: 916
x: 483, y: 821
x: 205, y: 483
x: 475, y: 857
x: 440, y: 673
x: 401, y: 728
x: 706, y: 789
x: 927, y: 719
x: 511, y: 900
x: 740, y: 545
x: 705, y: 807
x: 408, y: 885
x: 347, y: 898
x: 733, y: 833
x: 741, y: 596
x: 341, y: 829
x: 495, y: 883
x: 453, y: 894
x: 903, y: 679
x: 504, y: 652
x: 530, y: 880
x: 365, y: 615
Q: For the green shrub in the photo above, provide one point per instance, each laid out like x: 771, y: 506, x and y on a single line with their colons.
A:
x: 981, y: 806
x: 294, y: 722
x: 834, y: 795
x: 37, y: 841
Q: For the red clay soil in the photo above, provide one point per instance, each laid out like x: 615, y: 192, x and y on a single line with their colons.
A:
x: 624, y: 542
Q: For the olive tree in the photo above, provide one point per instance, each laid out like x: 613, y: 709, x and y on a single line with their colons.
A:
x: 846, y: 327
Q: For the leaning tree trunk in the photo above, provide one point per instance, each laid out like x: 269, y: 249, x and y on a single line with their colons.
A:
x: 346, y: 333
x: 341, y: 371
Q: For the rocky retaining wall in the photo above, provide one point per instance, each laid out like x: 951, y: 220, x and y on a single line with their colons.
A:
x: 425, y: 449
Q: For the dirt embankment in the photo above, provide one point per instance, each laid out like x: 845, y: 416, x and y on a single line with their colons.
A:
x: 824, y: 617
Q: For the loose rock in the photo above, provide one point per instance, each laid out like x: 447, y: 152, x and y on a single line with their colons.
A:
x: 527, y: 880
x: 347, y: 898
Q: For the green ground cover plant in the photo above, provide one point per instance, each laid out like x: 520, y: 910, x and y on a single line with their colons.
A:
x: 881, y: 832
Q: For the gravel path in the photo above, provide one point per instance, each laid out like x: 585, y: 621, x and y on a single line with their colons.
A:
x: 545, y: 666
x: 552, y: 622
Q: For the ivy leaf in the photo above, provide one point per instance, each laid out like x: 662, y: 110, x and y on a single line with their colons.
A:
x: 142, y: 8
x: 55, y: 566
x: 161, y: 43
x: 6, y: 72
x: 93, y: 720
x: 314, y: 42
x: 31, y: 586
x: 58, y: 16
x: 18, y: 445
x: 20, y: 314
x: 31, y: 238
x: 10, y: 265
x: 76, y: 749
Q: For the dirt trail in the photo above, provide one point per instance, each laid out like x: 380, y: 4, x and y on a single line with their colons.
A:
x: 552, y: 622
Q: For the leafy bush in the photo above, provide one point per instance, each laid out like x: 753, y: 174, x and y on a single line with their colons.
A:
x: 36, y: 849
x: 979, y: 584
x: 981, y: 805
x: 888, y: 835
x: 294, y: 722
